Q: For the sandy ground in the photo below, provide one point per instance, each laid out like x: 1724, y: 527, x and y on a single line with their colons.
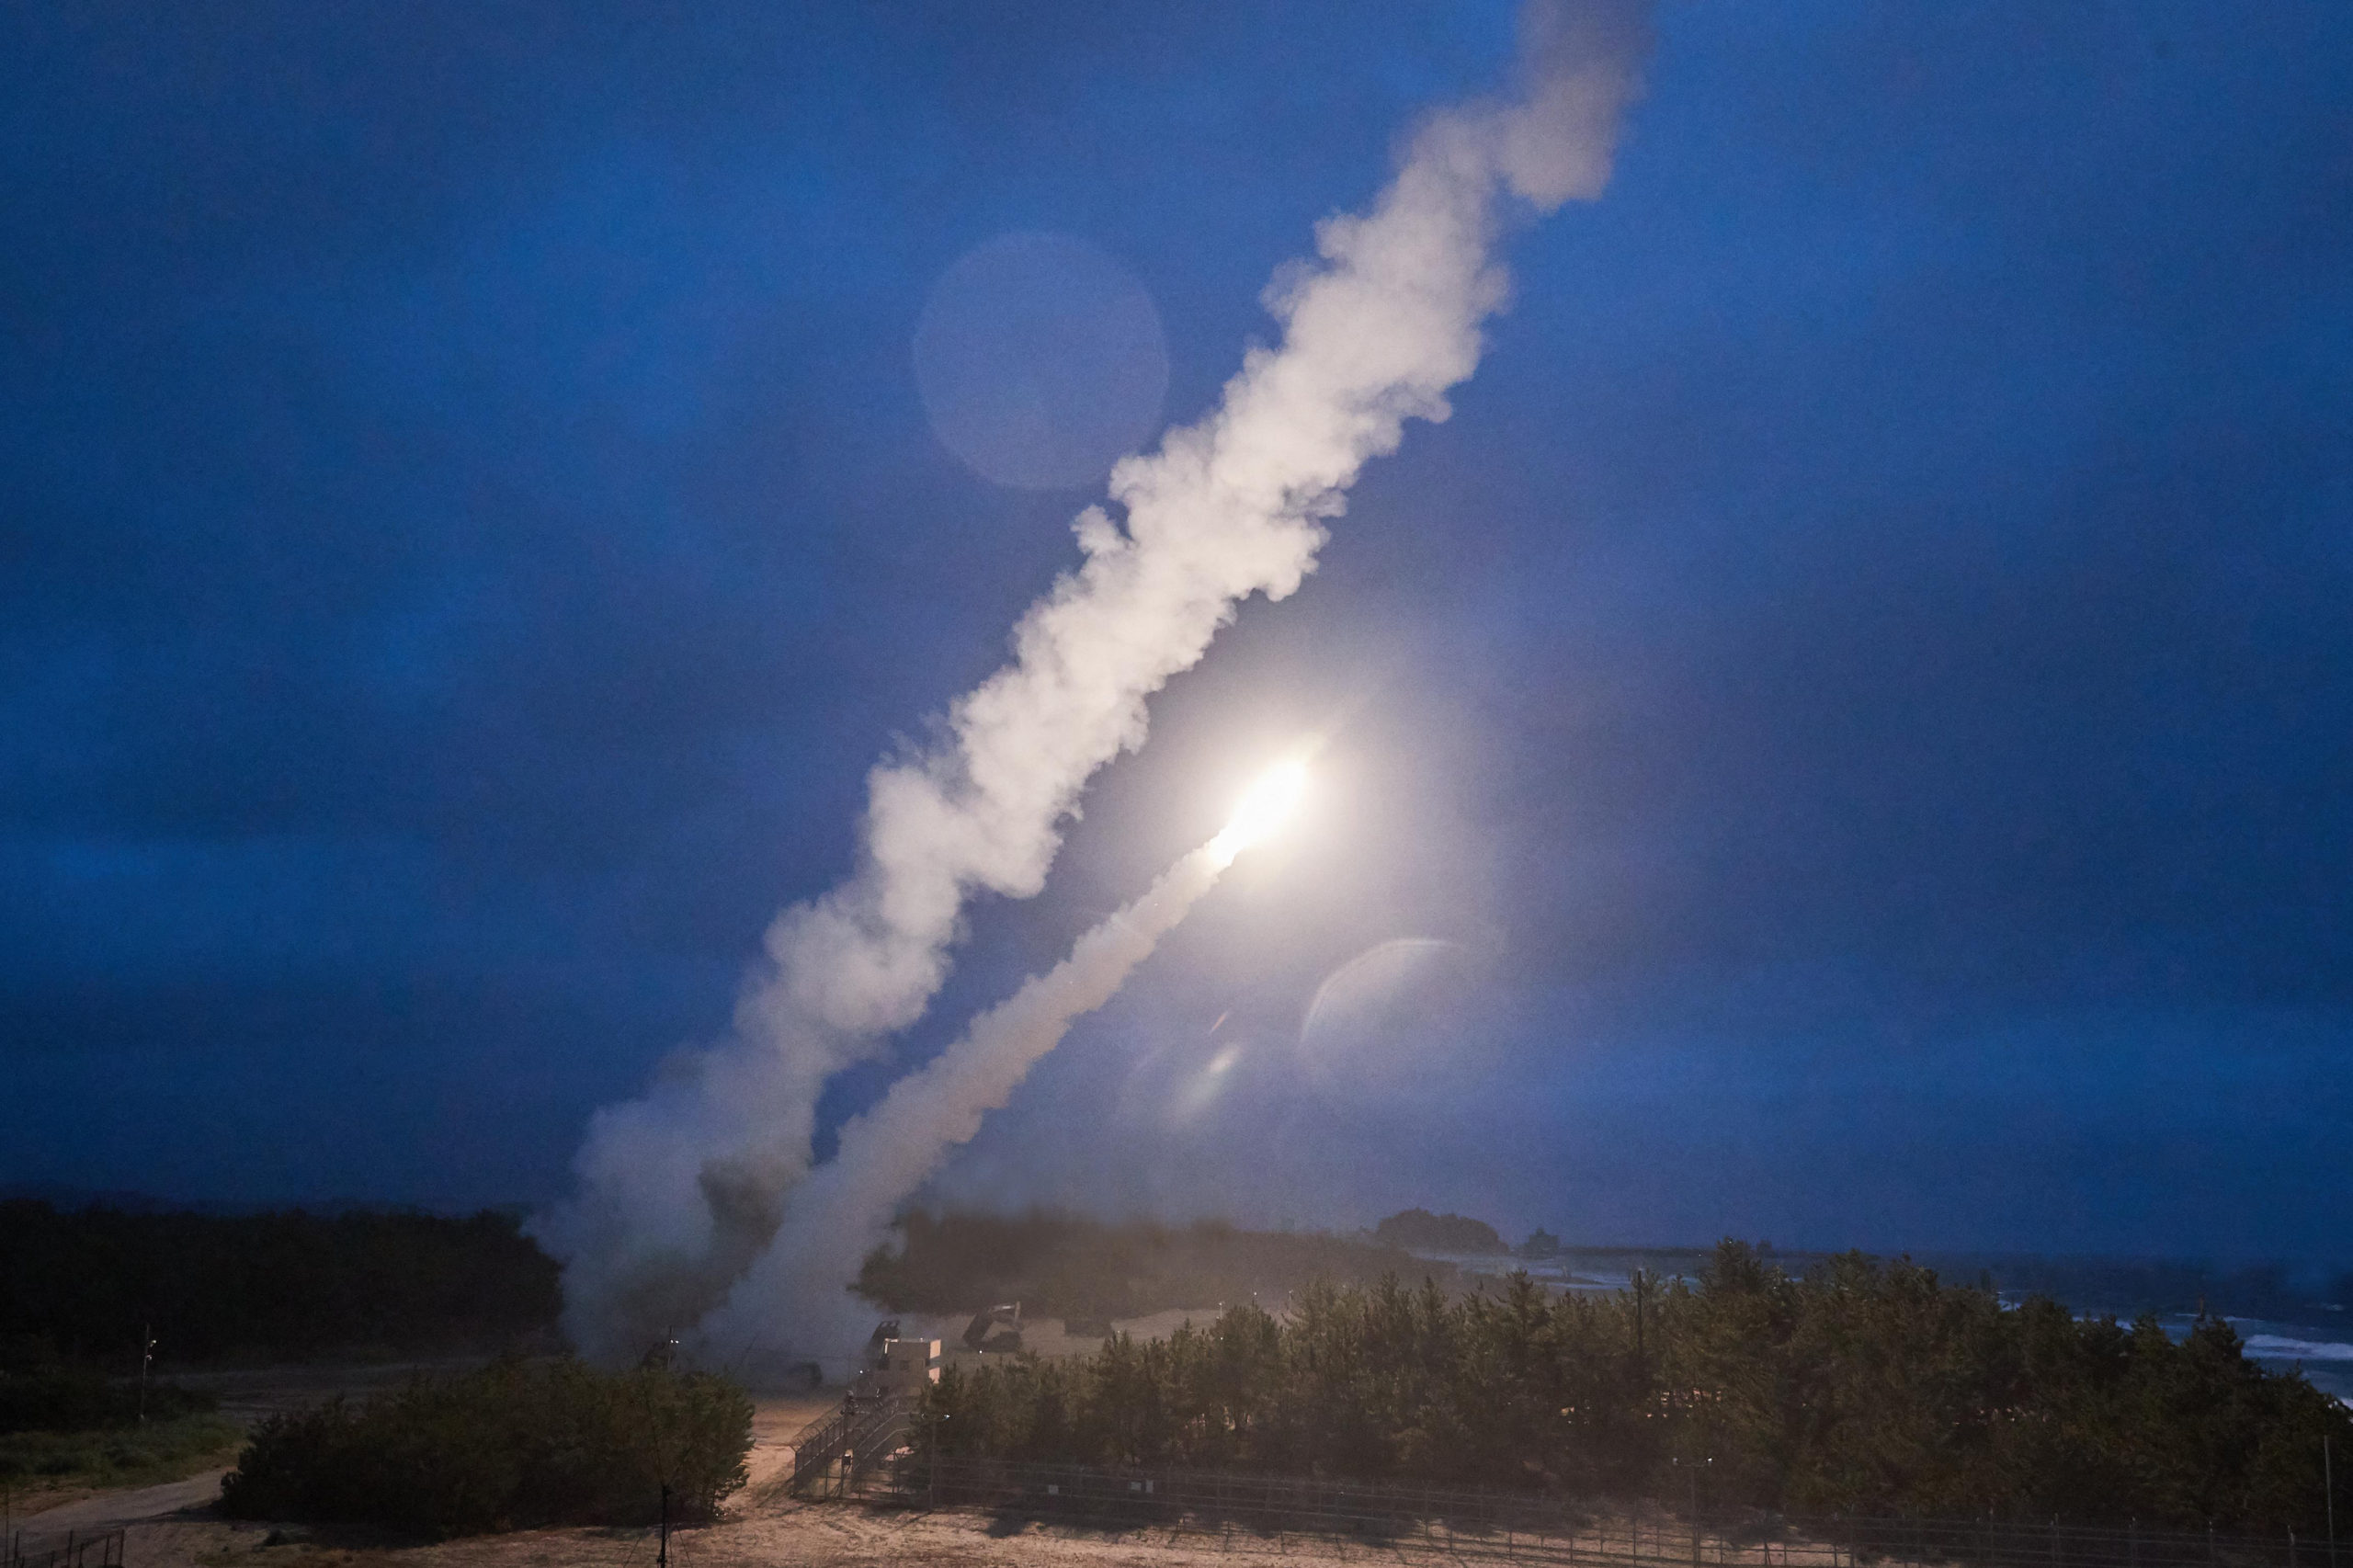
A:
x: 819, y: 1535
x: 99, y: 1512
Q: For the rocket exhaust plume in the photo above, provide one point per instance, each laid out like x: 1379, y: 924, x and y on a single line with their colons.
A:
x: 842, y: 1211
x: 1264, y: 807
x: 679, y: 1191
x: 799, y: 1288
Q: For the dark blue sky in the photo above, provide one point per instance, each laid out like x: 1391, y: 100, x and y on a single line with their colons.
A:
x: 1853, y: 709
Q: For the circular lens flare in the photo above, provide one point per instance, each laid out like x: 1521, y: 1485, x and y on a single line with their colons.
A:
x: 1264, y: 807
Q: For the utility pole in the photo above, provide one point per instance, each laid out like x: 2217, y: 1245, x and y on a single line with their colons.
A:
x: 2328, y: 1489
x: 663, y: 1559
x: 146, y: 1355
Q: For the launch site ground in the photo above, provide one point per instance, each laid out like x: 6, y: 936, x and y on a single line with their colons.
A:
x: 790, y: 1536
x: 171, y: 1525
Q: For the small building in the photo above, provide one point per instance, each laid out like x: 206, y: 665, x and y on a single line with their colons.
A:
x: 897, y: 1367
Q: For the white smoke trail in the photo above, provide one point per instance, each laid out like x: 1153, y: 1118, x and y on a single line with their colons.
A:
x: 679, y: 1190
x: 798, y: 1291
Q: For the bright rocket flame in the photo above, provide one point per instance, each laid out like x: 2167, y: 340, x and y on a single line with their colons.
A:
x: 1264, y: 807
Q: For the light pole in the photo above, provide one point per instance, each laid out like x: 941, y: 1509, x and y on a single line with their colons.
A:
x: 146, y: 1355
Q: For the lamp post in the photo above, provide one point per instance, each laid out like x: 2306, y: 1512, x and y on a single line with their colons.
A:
x: 146, y: 1355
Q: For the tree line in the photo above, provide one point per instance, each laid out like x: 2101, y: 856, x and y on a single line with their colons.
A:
x: 1855, y: 1387
x: 86, y: 1285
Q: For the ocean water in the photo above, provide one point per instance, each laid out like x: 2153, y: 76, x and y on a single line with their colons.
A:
x: 2322, y: 1351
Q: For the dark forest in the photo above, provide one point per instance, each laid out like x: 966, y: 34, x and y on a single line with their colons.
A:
x: 1856, y: 1388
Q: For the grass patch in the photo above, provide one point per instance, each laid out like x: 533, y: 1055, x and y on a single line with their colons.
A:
x: 35, y: 1465
x: 49, y: 1395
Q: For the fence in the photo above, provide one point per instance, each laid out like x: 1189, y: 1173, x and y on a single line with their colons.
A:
x: 1263, y: 1513
x: 103, y: 1550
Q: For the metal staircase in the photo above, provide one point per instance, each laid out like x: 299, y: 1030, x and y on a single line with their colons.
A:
x: 830, y: 1453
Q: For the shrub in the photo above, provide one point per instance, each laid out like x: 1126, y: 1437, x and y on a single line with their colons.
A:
x: 512, y: 1447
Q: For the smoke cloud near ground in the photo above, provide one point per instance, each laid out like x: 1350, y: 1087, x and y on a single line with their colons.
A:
x: 842, y: 1211
x: 681, y: 1190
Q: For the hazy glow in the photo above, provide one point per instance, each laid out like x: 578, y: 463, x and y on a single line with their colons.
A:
x: 1354, y: 997
x: 1264, y: 807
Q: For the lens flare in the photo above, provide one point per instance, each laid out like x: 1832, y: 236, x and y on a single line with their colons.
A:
x: 1263, y: 808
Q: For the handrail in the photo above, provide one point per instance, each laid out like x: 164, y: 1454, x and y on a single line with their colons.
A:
x: 877, y: 1436
x: 858, y: 1430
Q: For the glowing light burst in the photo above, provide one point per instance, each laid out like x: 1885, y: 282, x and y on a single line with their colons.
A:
x: 1263, y: 808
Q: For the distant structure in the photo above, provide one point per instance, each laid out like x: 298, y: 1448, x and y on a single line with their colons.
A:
x: 1540, y: 1244
x: 998, y: 1328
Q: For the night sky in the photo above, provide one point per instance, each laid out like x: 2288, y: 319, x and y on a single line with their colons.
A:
x: 1845, y: 737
